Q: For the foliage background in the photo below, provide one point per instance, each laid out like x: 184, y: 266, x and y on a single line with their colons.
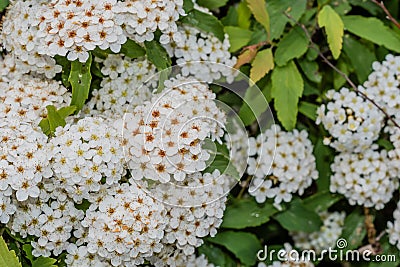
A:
x: 282, y: 45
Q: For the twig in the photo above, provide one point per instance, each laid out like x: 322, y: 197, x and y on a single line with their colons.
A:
x: 369, y: 225
x: 255, y: 46
x: 349, y: 81
x: 388, y: 15
x: 244, y: 186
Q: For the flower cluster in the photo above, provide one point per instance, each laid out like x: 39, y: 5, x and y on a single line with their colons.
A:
x: 140, y: 19
x: 194, y: 208
x: 354, y: 123
x: 124, y: 88
x: 202, y: 55
x: 170, y: 256
x: 125, y: 225
x: 164, y: 136
x: 284, y: 164
x: 25, y: 99
x: 84, y: 154
x: 364, y: 178
x: 330, y: 231
x: 21, y: 36
x: 383, y: 85
x: 51, y: 221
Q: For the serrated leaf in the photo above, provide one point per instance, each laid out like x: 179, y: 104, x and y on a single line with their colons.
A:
x: 254, y: 104
x: 242, y: 244
x: 132, y: 49
x: 205, y: 22
x: 321, y: 201
x: 260, y: 13
x: 44, y: 262
x: 287, y: 88
x: 293, y: 45
x: 3, y: 4
x: 373, y: 29
x: 157, y: 55
x: 247, y: 213
x: 334, y: 28
x: 298, y: 218
x: 308, y: 109
x: 276, y: 9
x: 262, y: 64
x: 7, y: 257
x: 246, y: 57
x: 360, y: 56
x: 244, y: 15
x: 212, y: 4
x: 238, y: 37
x: 80, y: 79
x: 310, y: 69
x: 27, y: 248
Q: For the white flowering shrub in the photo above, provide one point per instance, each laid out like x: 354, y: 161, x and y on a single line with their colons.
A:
x: 198, y: 133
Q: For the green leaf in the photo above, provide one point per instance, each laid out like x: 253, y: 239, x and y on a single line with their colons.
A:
x: 386, y: 144
x: 354, y: 229
x: 212, y: 4
x: 188, y: 5
x: 321, y: 201
x: 339, y: 80
x: 308, y: 109
x: 54, y: 118
x: 157, y: 55
x: 262, y: 64
x: 242, y: 244
x: 44, y: 262
x: 360, y: 56
x: 205, y: 22
x: 373, y: 29
x: 238, y: 37
x: 293, y: 45
x: 66, y: 111
x: 3, y: 4
x: 254, y: 104
x: 80, y: 79
x: 231, y: 18
x: 323, y: 159
x: 299, y: 218
x: 287, y: 88
x: 367, y: 5
x: 7, y: 257
x: 244, y: 15
x: 132, y: 49
x: 247, y: 213
x: 216, y: 256
x: 66, y: 69
x: 310, y: 69
x: 333, y: 24
x: 27, y: 248
x: 260, y: 13
x: 276, y: 9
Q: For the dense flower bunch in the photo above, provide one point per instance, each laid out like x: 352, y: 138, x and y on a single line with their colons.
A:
x: 21, y: 36
x: 84, y: 154
x: 354, y: 123
x: 383, y: 85
x: 283, y: 165
x: 196, y: 49
x: 364, y: 178
x: 165, y: 135
x: 25, y: 100
x: 330, y: 231
x: 124, y: 88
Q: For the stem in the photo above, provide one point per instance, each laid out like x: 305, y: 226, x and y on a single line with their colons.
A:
x: 369, y: 225
x: 244, y: 187
x: 349, y: 81
x: 388, y: 15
